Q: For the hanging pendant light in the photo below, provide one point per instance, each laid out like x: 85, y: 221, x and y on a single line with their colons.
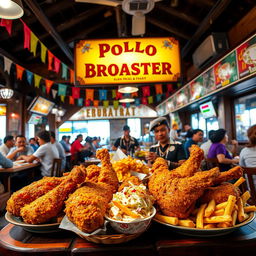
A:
x: 127, y: 88
x: 126, y: 100
x: 6, y: 93
x: 11, y: 9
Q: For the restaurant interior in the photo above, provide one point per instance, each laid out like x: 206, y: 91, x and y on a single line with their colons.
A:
x: 93, y: 67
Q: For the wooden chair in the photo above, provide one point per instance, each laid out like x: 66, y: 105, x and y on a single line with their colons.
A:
x: 250, y: 175
x: 56, y: 168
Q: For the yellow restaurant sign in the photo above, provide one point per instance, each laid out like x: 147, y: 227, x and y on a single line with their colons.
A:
x: 122, y: 61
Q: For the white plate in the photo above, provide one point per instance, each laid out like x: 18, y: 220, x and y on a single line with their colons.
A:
x: 41, y: 228
x: 207, y: 232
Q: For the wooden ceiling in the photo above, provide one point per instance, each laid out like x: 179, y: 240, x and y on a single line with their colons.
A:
x: 59, y: 23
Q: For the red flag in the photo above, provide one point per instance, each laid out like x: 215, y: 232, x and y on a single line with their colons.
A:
x: 56, y: 65
x: 96, y: 103
x: 170, y: 88
x: 146, y: 91
x: 71, y: 73
x: 118, y: 95
x: 87, y: 103
x: 144, y: 101
x: 7, y: 24
x: 71, y: 100
x: 159, y: 89
x: 124, y: 105
x: 135, y: 94
x: 48, y: 84
x: 89, y: 94
x: 76, y: 92
x: 20, y: 71
x: 27, y: 36
x: 50, y: 59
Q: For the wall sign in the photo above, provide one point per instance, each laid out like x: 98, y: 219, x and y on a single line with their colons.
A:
x: 122, y: 61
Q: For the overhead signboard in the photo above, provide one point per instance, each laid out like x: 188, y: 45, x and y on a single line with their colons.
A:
x: 122, y: 61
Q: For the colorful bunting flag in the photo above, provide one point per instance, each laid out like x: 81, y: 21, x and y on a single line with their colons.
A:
x: 43, y: 52
x: 137, y: 102
x: 128, y: 105
x: 113, y: 94
x: 80, y: 102
x: 170, y: 88
x: 144, y: 101
x: 105, y: 103
x: 118, y: 95
x: 43, y: 89
x: 37, y: 80
x: 124, y: 105
x: 62, y: 89
x: 48, y: 84
x: 135, y: 94
x: 146, y: 91
x: 150, y: 99
x: 29, y: 76
x: 7, y: 64
x: 158, y: 97
x: 19, y: 71
x: 50, y: 60
x: 96, y: 103
x: 33, y: 43
x: 103, y: 94
x: 159, y: 89
x: 89, y: 94
x: 7, y: 24
x: 64, y: 71
x: 87, y: 103
x: 71, y: 100
x: 115, y: 104
x: 76, y: 92
x: 62, y: 98
x: 56, y: 65
x: 72, y: 79
x: 27, y: 35
x: 54, y: 93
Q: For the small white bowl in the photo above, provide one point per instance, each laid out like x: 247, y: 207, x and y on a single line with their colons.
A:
x: 131, y: 227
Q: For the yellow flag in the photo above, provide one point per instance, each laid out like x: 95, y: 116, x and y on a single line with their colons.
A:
x: 37, y: 80
x: 43, y: 52
x: 62, y: 98
x: 33, y: 43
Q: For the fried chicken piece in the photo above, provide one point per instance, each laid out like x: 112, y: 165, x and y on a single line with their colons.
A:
x: 92, y: 173
x: 220, y: 193
x: 127, y: 182
x: 50, y: 205
x: 87, y: 206
x: 234, y: 173
x: 30, y: 193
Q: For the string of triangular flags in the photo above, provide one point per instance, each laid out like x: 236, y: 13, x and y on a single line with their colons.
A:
x: 31, y: 42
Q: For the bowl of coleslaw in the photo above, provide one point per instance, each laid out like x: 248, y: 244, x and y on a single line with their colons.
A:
x: 131, y: 210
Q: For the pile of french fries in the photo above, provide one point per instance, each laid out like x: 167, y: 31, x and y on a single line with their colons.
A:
x: 223, y: 215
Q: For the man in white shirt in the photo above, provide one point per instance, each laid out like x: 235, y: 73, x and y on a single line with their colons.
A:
x: 60, y: 150
x: 206, y: 145
x: 8, y: 144
x: 45, y: 153
x: 21, y: 148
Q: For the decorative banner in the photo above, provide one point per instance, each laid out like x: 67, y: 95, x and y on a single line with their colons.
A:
x: 30, y: 76
x: 76, y: 92
x: 137, y: 102
x: 225, y: 71
x: 105, y: 103
x: 114, y: 94
x: 64, y: 71
x: 33, y: 43
x: 127, y: 105
x: 56, y: 65
x: 87, y: 103
x: 96, y: 103
x: 158, y: 97
x: 43, y: 52
x: 103, y: 94
x: 115, y: 104
x: 7, y: 24
x: 37, y: 80
x: 159, y: 89
x: 62, y: 98
x: 62, y: 90
x: 27, y: 33
x: 43, y: 89
x: 89, y: 94
x: 72, y: 79
x: 7, y: 64
x: 118, y: 95
x: 150, y: 99
x: 50, y: 60
x: 126, y: 60
x: 144, y: 101
x: 48, y: 84
x: 146, y: 91
x: 134, y: 94
x: 170, y: 88
x: 20, y: 71
x: 80, y: 102
x: 124, y: 105
x: 71, y: 100
x: 54, y: 93
x: 246, y: 56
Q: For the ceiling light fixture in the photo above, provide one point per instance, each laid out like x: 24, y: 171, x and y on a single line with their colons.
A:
x: 126, y: 100
x: 6, y: 93
x: 11, y: 9
x: 127, y: 88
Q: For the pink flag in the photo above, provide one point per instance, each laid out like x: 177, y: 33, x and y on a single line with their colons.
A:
x: 146, y: 91
x: 7, y: 24
x: 76, y: 92
x: 27, y: 36
x: 50, y: 59
x: 56, y: 65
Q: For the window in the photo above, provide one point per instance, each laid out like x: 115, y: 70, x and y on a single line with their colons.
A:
x: 135, y: 127
x: 245, y: 115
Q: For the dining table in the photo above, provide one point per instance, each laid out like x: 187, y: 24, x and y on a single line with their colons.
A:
x: 157, y: 240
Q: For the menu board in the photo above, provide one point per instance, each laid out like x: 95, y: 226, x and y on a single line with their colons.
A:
x: 196, y: 88
x: 246, y: 58
x: 225, y: 71
x: 208, y: 81
x: 182, y: 97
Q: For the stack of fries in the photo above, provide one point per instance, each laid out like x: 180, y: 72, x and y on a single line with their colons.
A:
x: 124, y: 167
x: 223, y: 215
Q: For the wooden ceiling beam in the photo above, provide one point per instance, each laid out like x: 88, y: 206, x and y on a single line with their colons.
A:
x: 214, y: 13
x: 35, y: 8
x: 178, y: 14
x: 167, y: 28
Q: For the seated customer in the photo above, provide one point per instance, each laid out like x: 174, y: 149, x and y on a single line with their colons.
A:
x: 7, y: 145
x: 33, y: 144
x: 218, y: 149
x: 21, y: 148
x: 206, y: 145
x: 247, y: 156
x: 64, y: 144
x: 78, y: 150
x: 45, y: 153
x: 197, y: 136
x: 4, y: 163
